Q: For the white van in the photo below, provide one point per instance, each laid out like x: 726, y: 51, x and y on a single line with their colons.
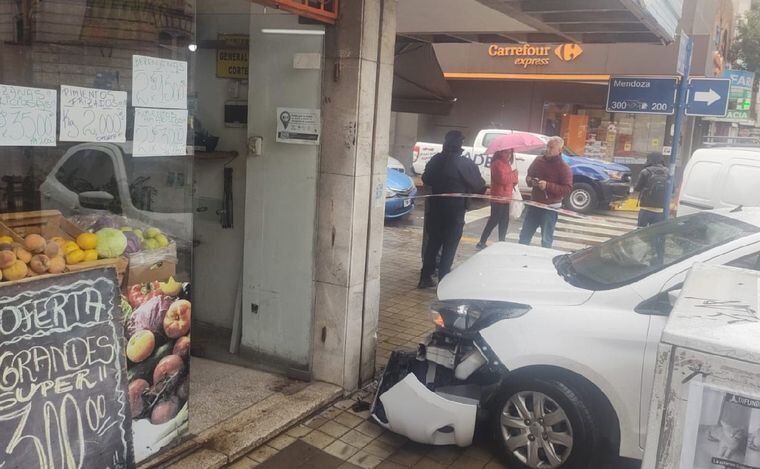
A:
x: 723, y: 177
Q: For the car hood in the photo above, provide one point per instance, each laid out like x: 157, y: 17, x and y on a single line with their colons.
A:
x: 574, y: 160
x: 512, y: 272
x: 398, y: 181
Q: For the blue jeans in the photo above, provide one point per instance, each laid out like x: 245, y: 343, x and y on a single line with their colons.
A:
x: 538, y: 217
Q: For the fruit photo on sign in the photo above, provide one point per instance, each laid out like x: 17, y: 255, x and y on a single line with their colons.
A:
x: 157, y: 318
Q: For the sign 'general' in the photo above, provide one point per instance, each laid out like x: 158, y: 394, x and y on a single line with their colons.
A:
x: 232, y: 57
x: 527, y: 55
x: 63, y: 386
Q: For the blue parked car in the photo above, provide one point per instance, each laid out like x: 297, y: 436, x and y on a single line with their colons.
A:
x: 596, y: 183
x: 399, y: 188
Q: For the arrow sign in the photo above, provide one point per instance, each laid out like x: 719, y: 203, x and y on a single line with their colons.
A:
x: 708, y: 97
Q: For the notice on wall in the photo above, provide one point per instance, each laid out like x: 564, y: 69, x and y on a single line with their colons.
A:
x: 159, y: 83
x: 160, y: 132
x: 27, y: 116
x: 93, y: 115
x: 63, y: 387
x: 301, y: 126
x: 722, y: 429
x: 232, y: 57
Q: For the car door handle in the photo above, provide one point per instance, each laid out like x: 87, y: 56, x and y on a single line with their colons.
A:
x: 519, y: 159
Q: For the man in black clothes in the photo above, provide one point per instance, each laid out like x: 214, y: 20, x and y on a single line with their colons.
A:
x: 447, y: 172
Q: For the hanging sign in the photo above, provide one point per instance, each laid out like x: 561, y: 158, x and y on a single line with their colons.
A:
x: 93, y: 115
x: 232, y: 57
x: 301, y: 126
x: 63, y: 387
x: 27, y: 116
x: 160, y: 132
x: 160, y: 83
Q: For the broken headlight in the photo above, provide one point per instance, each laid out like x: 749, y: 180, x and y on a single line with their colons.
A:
x: 473, y: 315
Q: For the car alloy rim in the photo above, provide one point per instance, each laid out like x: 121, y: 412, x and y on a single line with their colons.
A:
x: 536, y: 430
x: 580, y: 198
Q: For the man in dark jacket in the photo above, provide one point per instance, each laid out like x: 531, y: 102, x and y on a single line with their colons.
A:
x: 551, y: 180
x: 651, y: 186
x: 447, y: 172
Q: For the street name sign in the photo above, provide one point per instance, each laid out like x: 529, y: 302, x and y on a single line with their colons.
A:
x: 642, y: 95
x: 708, y: 97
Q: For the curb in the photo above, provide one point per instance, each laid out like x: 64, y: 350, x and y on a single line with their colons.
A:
x: 232, y: 439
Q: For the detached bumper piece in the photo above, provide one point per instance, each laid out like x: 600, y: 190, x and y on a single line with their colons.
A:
x: 406, y: 406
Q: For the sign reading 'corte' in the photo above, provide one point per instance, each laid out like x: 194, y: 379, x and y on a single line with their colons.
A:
x: 527, y: 55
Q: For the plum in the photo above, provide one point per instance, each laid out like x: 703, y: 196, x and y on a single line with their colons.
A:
x: 164, y: 411
x: 182, y: 347
x: 137, y: 390
x: 168, y: 367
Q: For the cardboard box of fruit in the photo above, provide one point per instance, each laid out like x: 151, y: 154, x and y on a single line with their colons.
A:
x: 45, y: 243
x: 157, y: 325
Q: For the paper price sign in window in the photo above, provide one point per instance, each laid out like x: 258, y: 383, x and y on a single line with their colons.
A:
x: 93, y: 115
x: 27, y: 116
x: 159, y: 83
x: 160, y: 132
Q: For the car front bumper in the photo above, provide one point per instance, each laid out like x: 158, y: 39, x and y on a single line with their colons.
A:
x: 400, y: 205
x: 612, y: 191
x: 404, y: 405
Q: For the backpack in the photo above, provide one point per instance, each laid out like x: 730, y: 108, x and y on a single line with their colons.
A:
x: 653, y: 194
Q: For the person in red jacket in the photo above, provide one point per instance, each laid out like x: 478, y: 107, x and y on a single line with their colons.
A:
x: 551, y: 180
x: 503, y: 182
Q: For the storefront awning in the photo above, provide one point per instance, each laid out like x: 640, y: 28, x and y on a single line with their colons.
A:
x: 418, y: 82
x: 597, y: 21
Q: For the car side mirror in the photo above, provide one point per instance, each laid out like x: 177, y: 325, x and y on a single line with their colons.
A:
x: 673, y: 296
x: 98, y: 200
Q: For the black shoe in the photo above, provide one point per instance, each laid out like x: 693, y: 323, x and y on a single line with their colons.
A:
x: 480, y: 246
x: 426, y: 282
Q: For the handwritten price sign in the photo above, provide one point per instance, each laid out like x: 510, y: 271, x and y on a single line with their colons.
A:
x: 159, y: 83
x: 160, y: 132
x: 93, y: 115
x: 63, y: 389
x: 27, y: 116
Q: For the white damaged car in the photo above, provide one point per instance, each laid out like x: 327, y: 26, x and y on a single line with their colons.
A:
x: 556, y: 352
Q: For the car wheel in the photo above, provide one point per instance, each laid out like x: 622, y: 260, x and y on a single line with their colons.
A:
x: 582, y: 199
x: 543, y: 424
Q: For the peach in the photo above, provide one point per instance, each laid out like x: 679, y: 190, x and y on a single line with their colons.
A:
x: 177, y: 319
x: 140, y: 346
x: 137, y: 390
x: 52, y: 249
x: 182, y: 347
x: 7, y: 259
x: 17, y: 271
x: 22, y: 254
x: 57, y: 265
x: 168, y: 367
x: 40, y: 264
x: 35, y: 243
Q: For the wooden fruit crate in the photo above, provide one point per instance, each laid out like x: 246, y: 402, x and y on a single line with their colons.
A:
x: 49, y: 224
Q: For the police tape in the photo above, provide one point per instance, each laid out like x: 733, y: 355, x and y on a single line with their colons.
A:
x: 493, y: 198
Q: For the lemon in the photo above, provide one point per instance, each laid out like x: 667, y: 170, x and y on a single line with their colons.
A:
x: 75, y: 257
x: 70, y: 246
x: 6, y: 240
x: 90, y: 255
x: 87, y: 241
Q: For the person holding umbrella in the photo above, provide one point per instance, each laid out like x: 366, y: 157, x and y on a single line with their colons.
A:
x: 504, y: 180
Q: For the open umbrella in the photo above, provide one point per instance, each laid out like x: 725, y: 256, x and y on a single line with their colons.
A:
x: 515, y: 141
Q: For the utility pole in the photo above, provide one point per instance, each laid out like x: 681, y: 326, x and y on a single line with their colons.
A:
x: 681, y: 98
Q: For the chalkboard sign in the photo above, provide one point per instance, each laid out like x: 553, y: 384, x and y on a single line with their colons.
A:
x: 63, y: 388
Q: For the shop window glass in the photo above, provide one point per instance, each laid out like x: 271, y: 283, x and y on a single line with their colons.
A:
x: 88, y: 171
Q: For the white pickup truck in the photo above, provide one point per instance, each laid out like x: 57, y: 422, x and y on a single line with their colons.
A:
x: 596, y: 183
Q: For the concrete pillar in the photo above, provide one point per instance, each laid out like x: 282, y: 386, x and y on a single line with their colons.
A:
x: 356, y: 98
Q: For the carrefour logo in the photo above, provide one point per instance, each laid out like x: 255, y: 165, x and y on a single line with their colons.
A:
x: 527, y: 55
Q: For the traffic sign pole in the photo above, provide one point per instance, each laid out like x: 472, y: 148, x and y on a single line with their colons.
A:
x: 681, y: 97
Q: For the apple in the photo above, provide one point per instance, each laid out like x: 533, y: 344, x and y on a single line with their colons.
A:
x: 164, y: 411
x: 182, y: 347
x: 137, y: 389
x: 177, y: 319
x: 168, y: 367
x: 141, y: 345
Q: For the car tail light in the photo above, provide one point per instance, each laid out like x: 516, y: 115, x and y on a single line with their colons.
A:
x: 415, y: 153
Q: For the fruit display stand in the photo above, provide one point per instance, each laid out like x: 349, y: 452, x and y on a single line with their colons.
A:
x: 49, y: 224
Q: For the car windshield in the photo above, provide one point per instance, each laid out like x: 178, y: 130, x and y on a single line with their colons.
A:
x: 635, y: 255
